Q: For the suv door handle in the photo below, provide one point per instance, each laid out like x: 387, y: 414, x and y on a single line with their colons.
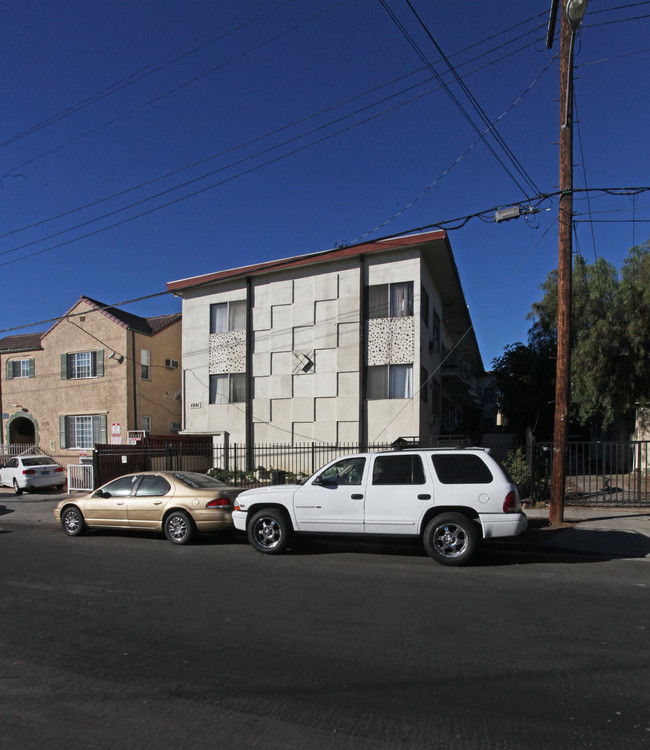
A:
x: 424, y: 497
x: 356, y: 496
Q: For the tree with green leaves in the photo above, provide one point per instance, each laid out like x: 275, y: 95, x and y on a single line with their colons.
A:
x: 610, y: 346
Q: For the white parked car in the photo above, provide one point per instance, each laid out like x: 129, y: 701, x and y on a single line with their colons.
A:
x: 32, y: 472
x: 451, y: 498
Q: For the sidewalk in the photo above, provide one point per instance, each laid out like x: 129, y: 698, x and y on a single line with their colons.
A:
x: 617, y: 532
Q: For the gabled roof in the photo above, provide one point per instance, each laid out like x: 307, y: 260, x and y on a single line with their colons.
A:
x: 129, y: 320
x: 21, y: 342
x: 148, y: 326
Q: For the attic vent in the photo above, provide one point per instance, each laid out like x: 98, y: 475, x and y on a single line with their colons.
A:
x: 171, y: 363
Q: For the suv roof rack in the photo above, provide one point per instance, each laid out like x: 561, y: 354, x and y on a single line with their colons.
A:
x: 450, y: 443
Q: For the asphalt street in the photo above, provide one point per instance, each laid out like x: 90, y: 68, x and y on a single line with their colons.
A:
x: 123, y: 640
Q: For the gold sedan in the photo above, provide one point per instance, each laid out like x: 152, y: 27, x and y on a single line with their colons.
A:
x: 179, y: 503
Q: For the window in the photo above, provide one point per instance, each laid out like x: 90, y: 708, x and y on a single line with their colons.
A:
x: 435, y: 332
x: 228, y: 316
x: 228, y: 389
x: 152, y: 485
x: 145, y: 364
x: 346, y: 471
x: 82, y: 365
x: 82, y: 432
x: 146, y: 424
x: 389, y: 381
x: 121, y: 487
x: 424, y: 306
x: 461, y: 469
x: 20, y: 368
x: 390, y: 300
x: 404, y: 469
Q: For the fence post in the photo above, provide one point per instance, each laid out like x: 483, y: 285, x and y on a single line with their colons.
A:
x: 96, y: 482
x: 638, y: 472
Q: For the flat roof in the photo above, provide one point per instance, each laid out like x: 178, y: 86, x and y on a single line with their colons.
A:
x: 308, y: 259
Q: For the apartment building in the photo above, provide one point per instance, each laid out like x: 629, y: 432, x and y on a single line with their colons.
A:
x: 96, y: 374
x: 361, y: 344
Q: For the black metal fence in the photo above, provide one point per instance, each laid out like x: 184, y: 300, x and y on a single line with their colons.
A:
x: 600, y: 473
x: 236, y: 464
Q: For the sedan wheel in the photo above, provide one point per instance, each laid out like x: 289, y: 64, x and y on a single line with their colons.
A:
x: 269, y: 532
x: 179, y: 528
x: 72, y: 521
x: 451, y: 539
x: 17, y: 489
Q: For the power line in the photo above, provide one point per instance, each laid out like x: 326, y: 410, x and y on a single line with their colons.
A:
x: 202, y: 177
x: 175, y: 89
x: 138, y: 75
x: 481, y: 112
x: 277, y: 131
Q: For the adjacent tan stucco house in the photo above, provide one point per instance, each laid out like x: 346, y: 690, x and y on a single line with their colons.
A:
x: 360, y: 345
x: 96, y: 374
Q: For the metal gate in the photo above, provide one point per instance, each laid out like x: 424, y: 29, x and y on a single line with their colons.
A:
x: 80, y: 478
x: 600, y: 473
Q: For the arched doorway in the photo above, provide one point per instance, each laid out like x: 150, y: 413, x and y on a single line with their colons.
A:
x: 22, y: 429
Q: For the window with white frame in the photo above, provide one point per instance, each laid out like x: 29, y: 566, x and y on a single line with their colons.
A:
x: 146, y: 423
x: 81, y: 432
x: 390, y: 300
x: 228, y: 316
x: 228, y: 388
x: 145, y: 364
x: 20, y: 368
x: 82, y: 365
x: 389, y: 381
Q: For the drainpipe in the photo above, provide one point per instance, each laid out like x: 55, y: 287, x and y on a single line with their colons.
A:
x: 249, y: 373
x: 363, y: 420
x: 135, y: 384
x: 2, y: 422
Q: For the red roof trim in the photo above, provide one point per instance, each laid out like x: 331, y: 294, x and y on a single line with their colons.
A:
x: 304, y: 260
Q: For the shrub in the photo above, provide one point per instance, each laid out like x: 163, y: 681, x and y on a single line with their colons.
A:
x: 516, y: 465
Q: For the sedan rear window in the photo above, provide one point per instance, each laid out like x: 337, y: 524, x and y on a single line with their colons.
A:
x: 39, y: 461
x: 461, y: 468
x: 198, y: 481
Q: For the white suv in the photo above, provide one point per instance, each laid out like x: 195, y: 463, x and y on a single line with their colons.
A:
x: 451, y: 498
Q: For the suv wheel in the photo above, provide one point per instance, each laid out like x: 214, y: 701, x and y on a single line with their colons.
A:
x: 269, y: 532
x: 451, y: 539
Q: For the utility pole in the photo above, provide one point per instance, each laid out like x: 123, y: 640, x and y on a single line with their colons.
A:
x: 570, y: 17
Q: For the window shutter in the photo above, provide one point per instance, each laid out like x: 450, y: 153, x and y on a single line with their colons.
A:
x: 32, y: 367
x: 100, y: 363
x: 10, y: 370
x: 62, y: 431
x: 64, y: 367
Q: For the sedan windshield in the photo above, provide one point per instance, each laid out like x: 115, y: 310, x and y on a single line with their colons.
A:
x: 198, y: 481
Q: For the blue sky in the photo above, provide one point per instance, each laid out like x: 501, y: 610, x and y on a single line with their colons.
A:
x: 266, y: 129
